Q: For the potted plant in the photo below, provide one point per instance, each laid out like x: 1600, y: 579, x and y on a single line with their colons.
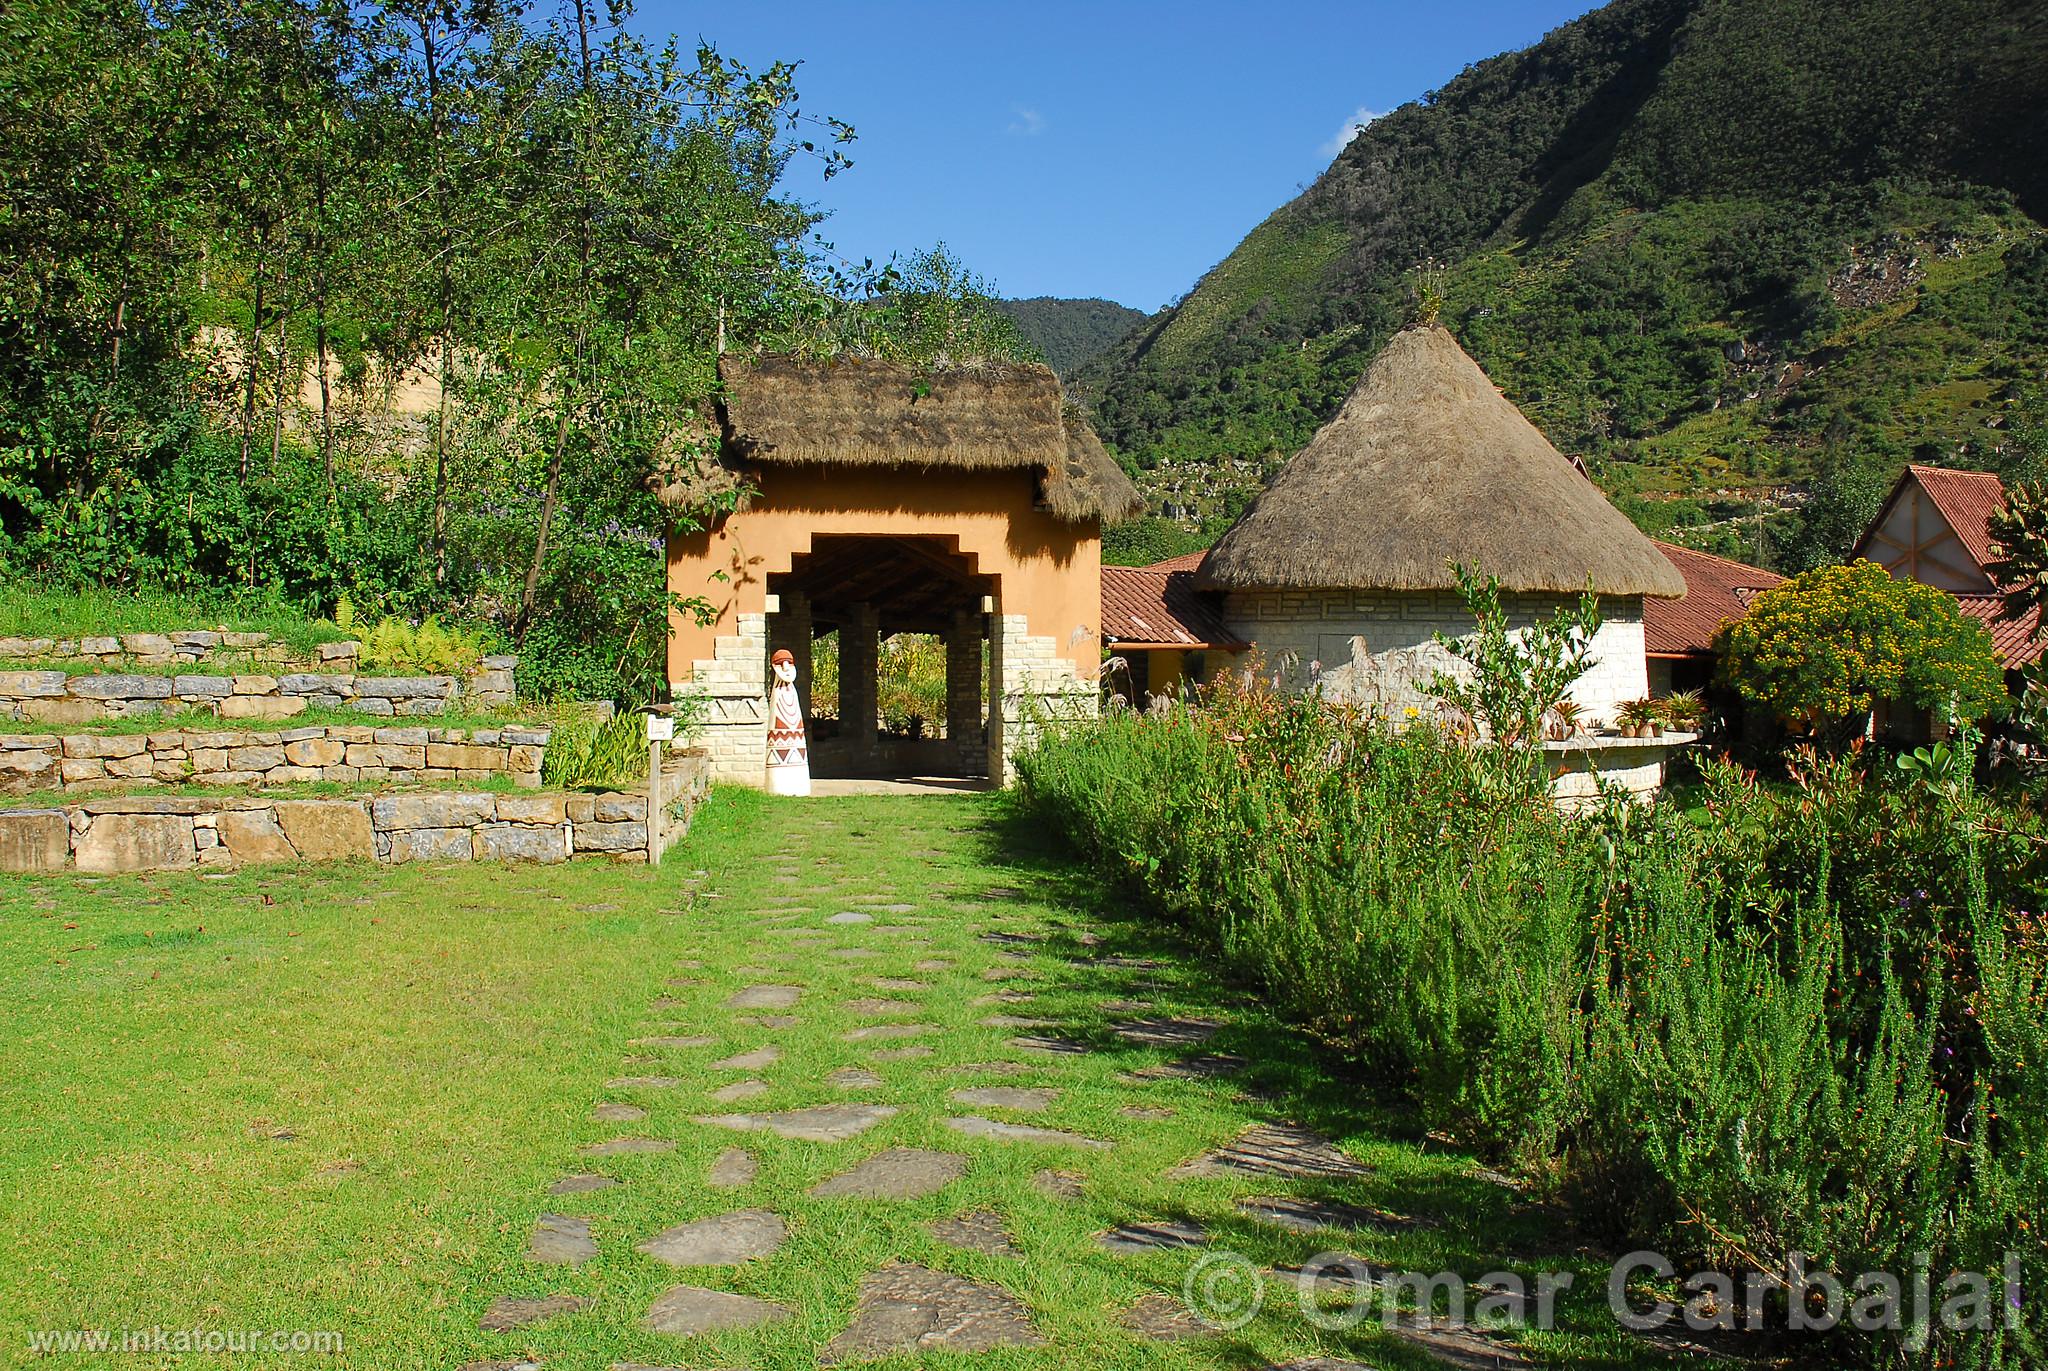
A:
x: 1562, y: 721
x: 1684, y: 710
x: 1633, y: 718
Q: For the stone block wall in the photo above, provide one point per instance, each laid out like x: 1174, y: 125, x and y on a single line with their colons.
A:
x: 51, y: 696
x: 158, y: 833
x: 354, y: 755
x: 733, y: 684
x: 1318, y: 626
x: 489, y: 686
x: 1040, y: 683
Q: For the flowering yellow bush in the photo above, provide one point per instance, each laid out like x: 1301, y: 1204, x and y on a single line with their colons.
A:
x: 1829, y: 644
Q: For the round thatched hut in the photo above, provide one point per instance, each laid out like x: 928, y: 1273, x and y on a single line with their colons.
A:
x: 1351, y: 551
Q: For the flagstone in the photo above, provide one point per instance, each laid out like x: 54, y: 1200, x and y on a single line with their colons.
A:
x: 1274, y: 1150
x: 619, y: 1147
x: 911, y: 1309
x: 1066, y: 1047
x: 750, y: 1061
x: 1059, y: 1185
x: 722, y: 1240
x: 508, y: 1312
x: 900, y: 1173
x: 731, y: 1169
x: 689, y: 1311
x: 561, y: 1240
x: 974, y: 1126
x: 1027, y: 1099
x: 980, y: 1231
x: 872, y: 1008
x: 1164, y: 1319
x: 1203, y: 1068
x: 819, y: 1123
x: 765, y: 997
x: 889, y: 1030
x: 739, y: 1090
x: 1166, y: 1032
x: 613, y: 1112
x: 1153, y: 1235
x: 580, y: 1182
x: 1307, y: 1216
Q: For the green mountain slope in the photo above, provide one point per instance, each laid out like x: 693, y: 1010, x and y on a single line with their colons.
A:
x: 1746, y: 258
x: 1071, y: 333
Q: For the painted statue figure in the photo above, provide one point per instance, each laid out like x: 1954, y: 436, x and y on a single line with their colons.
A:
x: 789, y: 758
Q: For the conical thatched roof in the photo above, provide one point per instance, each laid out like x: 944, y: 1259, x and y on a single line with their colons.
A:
x: 1425, y: 466
x: 858, y: 411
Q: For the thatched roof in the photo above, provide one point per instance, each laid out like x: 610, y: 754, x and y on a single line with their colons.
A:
x: 1427, y: 465
x: 854, y: 411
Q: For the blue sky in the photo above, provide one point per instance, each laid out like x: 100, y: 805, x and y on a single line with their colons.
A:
x: 1112, y: 149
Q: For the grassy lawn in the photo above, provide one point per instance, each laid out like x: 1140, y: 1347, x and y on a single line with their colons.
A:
x: 30, y: 610
x: 335, y: 1098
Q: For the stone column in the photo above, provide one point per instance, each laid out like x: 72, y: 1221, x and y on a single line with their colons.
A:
x: 998, y: 685
x: 963, y: 692
x: 859, y: 679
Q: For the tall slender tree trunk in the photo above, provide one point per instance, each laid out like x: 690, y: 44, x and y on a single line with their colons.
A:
x: 320, y: 325
x: 579, y: 383
x: 284, y: 351
x: 251, y: 350
x: 438, y: 544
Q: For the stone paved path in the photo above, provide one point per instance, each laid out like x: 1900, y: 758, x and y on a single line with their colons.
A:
x: 899, y: 1095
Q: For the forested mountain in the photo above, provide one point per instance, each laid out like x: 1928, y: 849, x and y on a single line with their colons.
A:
x: 1746, y: 258
x: 1071, y: 333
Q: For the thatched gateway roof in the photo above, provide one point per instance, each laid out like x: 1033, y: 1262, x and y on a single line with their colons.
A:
x: 853, y: 411
x: 1425, y: 466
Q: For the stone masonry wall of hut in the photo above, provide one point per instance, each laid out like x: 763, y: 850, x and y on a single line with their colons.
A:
x: 1318, y: 625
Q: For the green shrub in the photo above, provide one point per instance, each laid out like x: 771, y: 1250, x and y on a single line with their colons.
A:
x: 1809, y: 1018
x: 584, y: 752
x: 1827, y: 645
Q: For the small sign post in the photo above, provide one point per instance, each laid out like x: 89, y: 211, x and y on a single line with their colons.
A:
x: 660, y: 729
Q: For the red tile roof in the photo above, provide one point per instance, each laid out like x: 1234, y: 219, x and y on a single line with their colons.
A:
x: 2012, y: 639
x: 1714, y: 591
x: 1145, y: 607
x: 1967, y: 500
x: 1187, y: 561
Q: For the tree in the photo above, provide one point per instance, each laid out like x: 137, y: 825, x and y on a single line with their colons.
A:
x: 1824, y: 647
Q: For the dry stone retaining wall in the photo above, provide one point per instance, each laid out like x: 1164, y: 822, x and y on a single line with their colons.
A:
x: 354, y: 755
x: 47, y: 696
x: 156, y: 833
x: 195, y: 646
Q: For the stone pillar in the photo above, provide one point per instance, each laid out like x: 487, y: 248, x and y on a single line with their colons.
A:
x: 859, y: 679
x: 998, y: 685
x: 963, y: 692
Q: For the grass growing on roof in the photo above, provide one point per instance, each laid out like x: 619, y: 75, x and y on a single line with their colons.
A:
x: 334, y: 1098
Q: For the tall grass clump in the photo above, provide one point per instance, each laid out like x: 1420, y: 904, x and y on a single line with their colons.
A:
x: 1810, y: 1019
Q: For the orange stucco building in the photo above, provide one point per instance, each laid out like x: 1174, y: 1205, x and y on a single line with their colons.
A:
x: 877, y: 499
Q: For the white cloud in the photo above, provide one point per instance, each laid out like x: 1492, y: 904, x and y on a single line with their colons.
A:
x: 1025, y: 122
x: 1353, y: 126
